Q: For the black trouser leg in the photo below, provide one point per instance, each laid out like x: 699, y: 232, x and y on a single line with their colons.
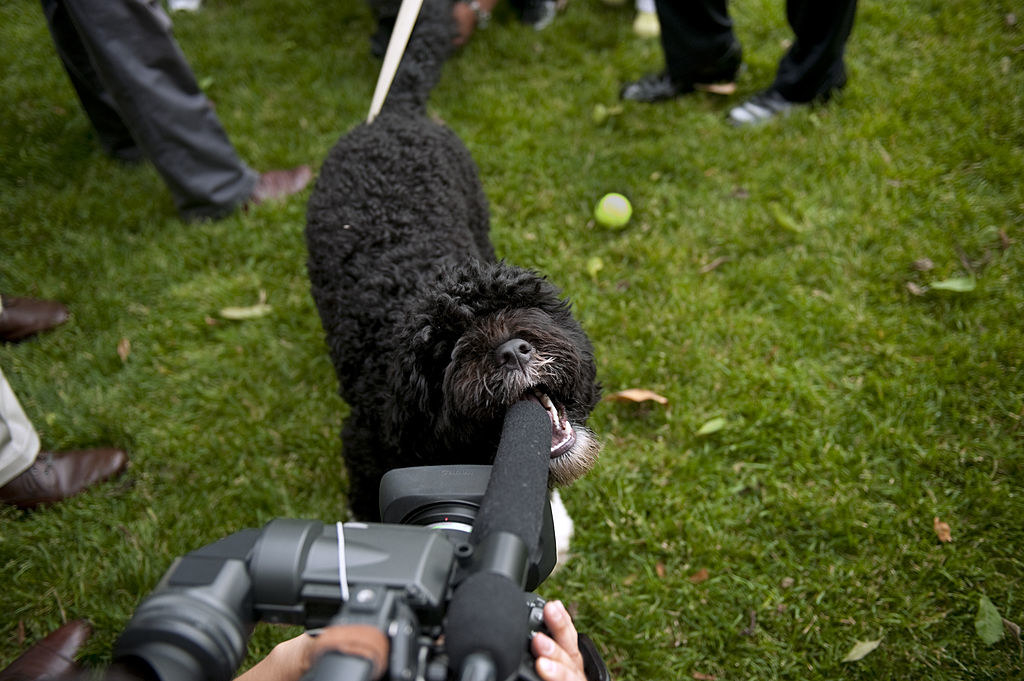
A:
x: 695, y: 34
x: 813, y: 66
x: 139, y: 64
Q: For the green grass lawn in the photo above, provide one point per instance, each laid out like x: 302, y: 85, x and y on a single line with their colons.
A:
x: 778, y: 278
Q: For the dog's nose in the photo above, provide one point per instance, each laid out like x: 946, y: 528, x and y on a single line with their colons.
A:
x: 514, y: 353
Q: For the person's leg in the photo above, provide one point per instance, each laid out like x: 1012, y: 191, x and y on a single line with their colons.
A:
x: 813, y: 66
x: 114, y: 136
x: 700, y: 49
x: 130, y: 45
x: 695, y: 35
x: 19, y: 443
x: 29, y: 477
x: 812, y: 69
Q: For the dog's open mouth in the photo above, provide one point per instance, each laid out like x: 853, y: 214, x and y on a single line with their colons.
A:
x: 563, y: 437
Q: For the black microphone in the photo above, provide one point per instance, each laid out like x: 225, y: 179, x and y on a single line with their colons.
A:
x: 488, y: 619
x: 487, y: 615
x: 517, y: 489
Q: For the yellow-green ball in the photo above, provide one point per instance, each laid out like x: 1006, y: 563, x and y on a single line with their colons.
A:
x: 613, y: 210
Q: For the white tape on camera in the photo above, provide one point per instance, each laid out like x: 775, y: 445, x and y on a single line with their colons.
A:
x: 342, y: 573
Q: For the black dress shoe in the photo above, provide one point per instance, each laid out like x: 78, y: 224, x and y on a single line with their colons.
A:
x: 23, y: 317
x: 51, y: 658
x: 655, y: 87
x: 538, y: 13
x: 661, y: 86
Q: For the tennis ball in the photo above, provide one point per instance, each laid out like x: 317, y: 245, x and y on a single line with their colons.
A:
x: 613, y: 210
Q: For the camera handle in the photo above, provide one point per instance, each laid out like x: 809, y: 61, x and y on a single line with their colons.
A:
x: 356, y: 642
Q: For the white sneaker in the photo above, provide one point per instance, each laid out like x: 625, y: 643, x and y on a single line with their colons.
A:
x: 762, y: 107
x: 184, y: 5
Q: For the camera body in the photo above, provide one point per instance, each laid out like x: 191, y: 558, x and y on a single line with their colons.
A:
x: 398, y: 576
x: 448, y: 498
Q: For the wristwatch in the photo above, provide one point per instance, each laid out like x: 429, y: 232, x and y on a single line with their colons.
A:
x: 483, y: 17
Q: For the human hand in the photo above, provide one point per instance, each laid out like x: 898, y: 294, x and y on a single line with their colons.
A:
x: 558, y: 656
x: 291, y: 659
x: 288, y: 661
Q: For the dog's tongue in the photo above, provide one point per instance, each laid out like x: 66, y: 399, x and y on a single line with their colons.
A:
x: 562, y: 435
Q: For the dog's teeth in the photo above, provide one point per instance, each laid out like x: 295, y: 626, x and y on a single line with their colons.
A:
x: 549, y: 405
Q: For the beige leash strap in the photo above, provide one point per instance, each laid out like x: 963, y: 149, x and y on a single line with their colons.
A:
x: 406, y: 19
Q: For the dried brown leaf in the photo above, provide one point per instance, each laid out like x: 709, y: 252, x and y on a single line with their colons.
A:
x: 704, y: 677
x: 915, y: 289
x: 714, y: 264
x: 241, y: 313
x: 699, y: 576
x: 124, y: 348
x: 942, y: 530
x: 717, y: 88
x: 751, y: 628
x: 636, y: 395
x: 860, y: 649
x: 1004, y: 239
x: 1014, y: 630
x: 660, y: 569
x: 1012, y: 626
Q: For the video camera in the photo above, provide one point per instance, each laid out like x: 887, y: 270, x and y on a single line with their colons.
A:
x: 444, y: 578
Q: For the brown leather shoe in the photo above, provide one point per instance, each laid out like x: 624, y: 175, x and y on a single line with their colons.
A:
x: 22, y: 317
x: 51, y: 658
x: 277, y: 184
x: 57, y: 476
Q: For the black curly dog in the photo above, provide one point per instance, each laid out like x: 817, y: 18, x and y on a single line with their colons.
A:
x: 432, y: 338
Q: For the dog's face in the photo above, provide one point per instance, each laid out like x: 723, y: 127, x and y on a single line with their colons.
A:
x: 521, y: 353
x: 484, y: 342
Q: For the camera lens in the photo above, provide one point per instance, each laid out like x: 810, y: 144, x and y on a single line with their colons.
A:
x: 446, y: 515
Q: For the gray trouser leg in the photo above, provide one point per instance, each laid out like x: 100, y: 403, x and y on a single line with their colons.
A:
x: 145, y: 74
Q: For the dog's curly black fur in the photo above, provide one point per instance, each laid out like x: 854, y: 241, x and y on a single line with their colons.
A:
x: 431, y: 337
